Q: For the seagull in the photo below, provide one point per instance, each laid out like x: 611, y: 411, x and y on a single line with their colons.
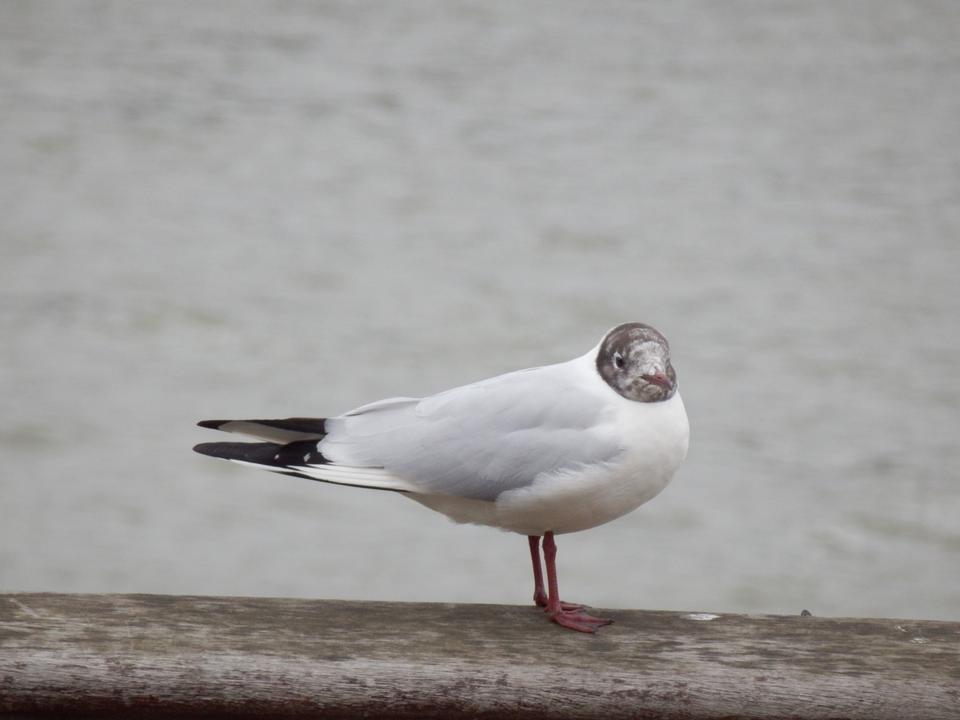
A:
x: 541, y: 452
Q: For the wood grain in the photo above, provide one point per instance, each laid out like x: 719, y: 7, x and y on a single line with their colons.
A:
x: 164, y: 656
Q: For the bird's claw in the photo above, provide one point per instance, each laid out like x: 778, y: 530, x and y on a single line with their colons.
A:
x: 542, y: 602
x: 577, y: 620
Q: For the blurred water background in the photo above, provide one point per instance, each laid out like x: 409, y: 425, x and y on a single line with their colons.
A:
x: 292, y: 208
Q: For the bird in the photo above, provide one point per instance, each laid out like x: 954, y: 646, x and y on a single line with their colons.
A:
x: 543, y: 451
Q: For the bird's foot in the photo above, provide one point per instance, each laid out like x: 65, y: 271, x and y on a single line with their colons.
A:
x: 575, y: 619
x: 540, y: 600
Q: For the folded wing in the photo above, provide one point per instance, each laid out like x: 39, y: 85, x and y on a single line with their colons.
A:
x: 479, y: 440
x: 475, y: 441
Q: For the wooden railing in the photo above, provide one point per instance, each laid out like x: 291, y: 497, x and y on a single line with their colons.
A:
x: 148, y: 656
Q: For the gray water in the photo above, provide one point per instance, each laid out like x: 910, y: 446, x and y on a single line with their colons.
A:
x: 292, y: 208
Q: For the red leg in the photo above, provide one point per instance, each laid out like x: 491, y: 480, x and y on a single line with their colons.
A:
x: 539, y: 594
x: 572, y: 618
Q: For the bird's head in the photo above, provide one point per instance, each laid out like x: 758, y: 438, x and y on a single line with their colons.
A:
x: 634, y: 359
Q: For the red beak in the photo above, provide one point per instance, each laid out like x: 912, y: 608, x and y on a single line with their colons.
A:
x: 660, y: 379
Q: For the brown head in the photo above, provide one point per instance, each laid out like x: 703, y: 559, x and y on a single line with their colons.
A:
x: 634, y: 359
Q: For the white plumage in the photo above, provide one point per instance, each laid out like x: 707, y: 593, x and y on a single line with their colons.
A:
x: 550, y: 448
x: 543, y: 451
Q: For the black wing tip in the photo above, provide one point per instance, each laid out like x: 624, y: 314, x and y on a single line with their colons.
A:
x: 272, y: 455
x: 228, y: 451
x: 300, y: 452
x: 307, y: 426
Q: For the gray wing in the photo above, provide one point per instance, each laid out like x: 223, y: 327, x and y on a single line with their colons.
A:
x: 478, y: 440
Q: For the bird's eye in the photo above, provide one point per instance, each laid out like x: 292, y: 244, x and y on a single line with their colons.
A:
x: 618, y: 360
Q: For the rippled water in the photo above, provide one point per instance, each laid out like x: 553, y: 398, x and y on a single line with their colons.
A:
x: 294, y: 208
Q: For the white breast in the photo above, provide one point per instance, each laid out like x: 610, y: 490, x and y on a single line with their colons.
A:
x: 654, y: 437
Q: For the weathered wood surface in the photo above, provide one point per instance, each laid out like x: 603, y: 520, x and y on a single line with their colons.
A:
x: 147, y: 656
